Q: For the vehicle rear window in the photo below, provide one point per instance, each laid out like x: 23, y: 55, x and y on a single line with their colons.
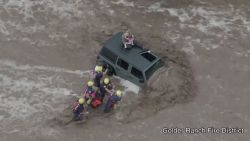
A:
x: 109, y: 55
x: 152, y: 69
x: 122, y: 64
x: 149, y: 56
x: 136, y: 73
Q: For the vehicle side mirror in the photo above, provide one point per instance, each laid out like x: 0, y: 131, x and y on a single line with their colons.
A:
x: 141, y: 81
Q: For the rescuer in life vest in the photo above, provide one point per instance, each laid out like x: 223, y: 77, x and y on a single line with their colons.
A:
x: 106, y: 87
x: 98, y: 76
x: 90, y: 87
x: 89, y: 96
x: 78, y: 109
x: 113, y: 100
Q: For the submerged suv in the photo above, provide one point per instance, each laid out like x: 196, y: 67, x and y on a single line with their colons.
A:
x: 135, y: 65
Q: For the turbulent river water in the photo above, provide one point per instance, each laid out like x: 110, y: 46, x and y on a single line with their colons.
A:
x: 47, y: 48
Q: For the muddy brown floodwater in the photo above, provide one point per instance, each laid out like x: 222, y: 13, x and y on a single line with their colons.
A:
x: 47, y: 48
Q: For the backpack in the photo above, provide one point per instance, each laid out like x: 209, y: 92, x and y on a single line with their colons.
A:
x: 96, y: 102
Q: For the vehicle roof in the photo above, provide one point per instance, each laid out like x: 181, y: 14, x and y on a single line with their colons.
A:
x: 132, y: 56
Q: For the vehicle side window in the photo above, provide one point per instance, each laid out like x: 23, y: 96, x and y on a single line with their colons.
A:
x: 122, y: 64
x: 136, y: 73
x: 109, y: 55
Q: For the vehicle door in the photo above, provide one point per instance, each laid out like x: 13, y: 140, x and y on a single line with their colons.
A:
x: 122, y: 68
x: 137, y: 76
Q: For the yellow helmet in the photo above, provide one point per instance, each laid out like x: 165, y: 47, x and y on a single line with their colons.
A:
x: 81, y: 101
x: 98, y: 68
x: 119, y: 93
x: 106, y: 80
x: 90, y: 83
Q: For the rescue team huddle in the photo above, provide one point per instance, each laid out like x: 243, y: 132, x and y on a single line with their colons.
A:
x: 94, y: 93
x: 96, y: 90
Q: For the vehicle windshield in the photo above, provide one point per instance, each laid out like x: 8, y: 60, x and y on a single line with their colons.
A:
x: 153, y: 68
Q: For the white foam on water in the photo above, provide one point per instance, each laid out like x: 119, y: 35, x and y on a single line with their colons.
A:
x: 189, y: 49
x: 129, y: 86
x: 182, y: 15
x: 3, y: 28
x: 33, y: 92
x: 156, y: 7
x: 13, y: 65
x: 210, y: 18
x: 213, y: 22
x: 112, y: 12
x: 65, y: 8
x: 58, y: 6
x: 23, y: 4
x: 12, y: 131
x: 123, y: 2
x: 102, y: 2
x: 23, y: 97
x: 27, y: 11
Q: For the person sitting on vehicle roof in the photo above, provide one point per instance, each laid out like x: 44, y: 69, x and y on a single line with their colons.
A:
x: 106, y: 87
x: 113, y: 100
x: 128, y: 39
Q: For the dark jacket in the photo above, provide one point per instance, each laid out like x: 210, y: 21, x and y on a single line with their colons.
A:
x: 103, y: 88
x: 79, y: 109
x: 111, y: 101
x: 98, y: 78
